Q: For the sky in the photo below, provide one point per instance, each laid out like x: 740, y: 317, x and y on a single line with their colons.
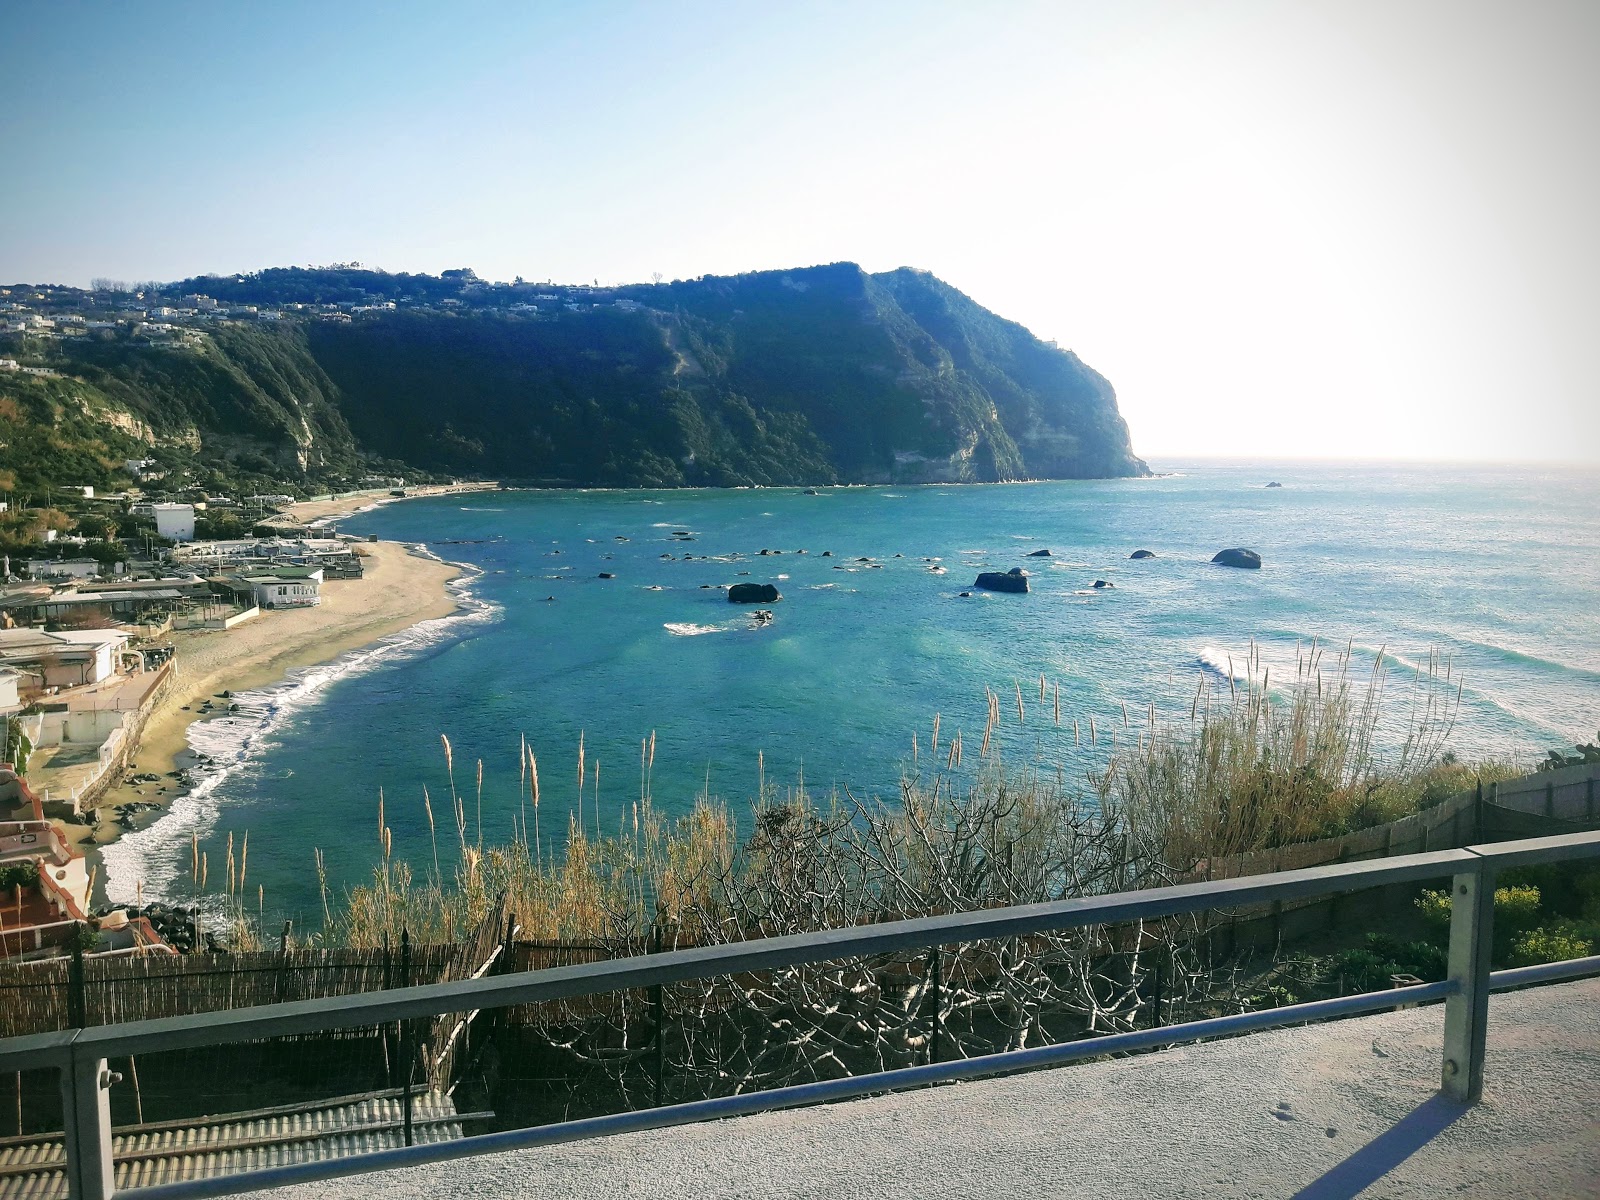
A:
x: 1325, y: 228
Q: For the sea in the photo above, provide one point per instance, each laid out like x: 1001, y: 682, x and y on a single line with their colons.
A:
x: 1480, y: 581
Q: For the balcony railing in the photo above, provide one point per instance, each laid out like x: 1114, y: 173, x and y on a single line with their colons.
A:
x: 81, y: 1056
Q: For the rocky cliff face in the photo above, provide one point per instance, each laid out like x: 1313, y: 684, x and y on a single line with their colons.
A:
x: 819, y: 375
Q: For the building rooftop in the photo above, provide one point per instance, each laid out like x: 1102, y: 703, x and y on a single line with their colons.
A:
x: 1333, y: 1110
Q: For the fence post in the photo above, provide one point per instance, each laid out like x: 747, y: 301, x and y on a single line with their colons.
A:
x: 408, y: 1053
x: 936, y: 974
x: 77, y: 1009
x: 1466, y: 1014
x: 86, y: 1112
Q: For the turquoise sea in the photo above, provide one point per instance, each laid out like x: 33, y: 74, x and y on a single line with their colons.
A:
x: 1495, y: 569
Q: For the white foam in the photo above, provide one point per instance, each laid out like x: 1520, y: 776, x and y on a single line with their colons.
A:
x: 686, y: 629
x: 1221, y: 663
x: 152, y: 855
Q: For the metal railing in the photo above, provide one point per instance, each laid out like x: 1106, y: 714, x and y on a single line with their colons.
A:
x: 81, y: 1055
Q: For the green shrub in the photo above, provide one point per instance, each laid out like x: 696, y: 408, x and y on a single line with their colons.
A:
x: 24, y: 875
x: 1557, y: 942
x: 1514, y: 907
x: 1369, y: 968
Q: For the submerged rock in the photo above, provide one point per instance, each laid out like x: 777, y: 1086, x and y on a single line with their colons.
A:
x: 753, y: 593
x: 606, y: 575
x: 1039, y: 554
x: 1143, y: 554
x: 1103, y: 583
x: 1014, y: 580
x: 1238, y: 557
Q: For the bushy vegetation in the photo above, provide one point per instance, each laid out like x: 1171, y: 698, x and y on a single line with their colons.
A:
x: 1273, y: 762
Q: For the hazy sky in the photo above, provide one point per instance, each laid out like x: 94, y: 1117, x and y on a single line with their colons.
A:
x: 1334, y: 229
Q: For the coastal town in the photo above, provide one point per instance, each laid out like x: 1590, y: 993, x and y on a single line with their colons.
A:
x: 122, y: 624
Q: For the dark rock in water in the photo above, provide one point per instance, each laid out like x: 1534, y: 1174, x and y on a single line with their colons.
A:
x: 827, y: 554
x: 1143, y: 554
x: 1039, y: 554
x: 753, y: 593
x: 966, y: 595
x: 1248, y: 559
x: 1014, y: 580
x: 1101, y: 583
x: 1274, y: 484
x: 607, y: 575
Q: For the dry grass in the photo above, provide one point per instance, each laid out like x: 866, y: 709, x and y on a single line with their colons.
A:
x: 1255, y: 764
x: 1259, y: 766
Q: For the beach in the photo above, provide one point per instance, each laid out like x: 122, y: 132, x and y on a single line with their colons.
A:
x: 398, y: 589
x: 306, y: 511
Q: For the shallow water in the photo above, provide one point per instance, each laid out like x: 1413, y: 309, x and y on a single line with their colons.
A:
x: 1496, y: 569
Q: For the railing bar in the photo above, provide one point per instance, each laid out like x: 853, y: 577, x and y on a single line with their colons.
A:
x: 1572, y: 968
x: 1560, y: 848
x: 798, y: 1096
x: 559, y: 983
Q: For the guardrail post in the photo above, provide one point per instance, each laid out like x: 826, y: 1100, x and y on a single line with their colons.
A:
x: 1466, y: 1013
x: 86, y: 1107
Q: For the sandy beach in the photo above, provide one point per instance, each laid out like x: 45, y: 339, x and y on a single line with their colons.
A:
x: 342, y: 506
x: 398, y: 590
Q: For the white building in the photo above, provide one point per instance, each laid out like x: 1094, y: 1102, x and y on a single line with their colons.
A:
x: 287, y: 587
x: 175, y: 521
x: 67, y: 659
x: 10, y: 702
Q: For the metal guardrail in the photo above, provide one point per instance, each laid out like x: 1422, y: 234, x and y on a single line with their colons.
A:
x: 81, y: 1055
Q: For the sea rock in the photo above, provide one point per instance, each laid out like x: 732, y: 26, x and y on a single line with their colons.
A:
x: 1238, y: 557
x: 606, y: 575
x: 1102, y: 583
x: 753, y: 593
x: 1274, y: 484
x: 1143, y: 554
x: 1039, y: 554
x: 1014, y: 580
x: 827, y: 554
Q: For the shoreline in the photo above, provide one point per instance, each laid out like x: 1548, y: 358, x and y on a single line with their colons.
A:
x: 399, y: 589
x: 329, y: 511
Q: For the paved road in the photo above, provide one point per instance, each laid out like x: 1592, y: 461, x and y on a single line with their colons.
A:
x: 1315, y: 1113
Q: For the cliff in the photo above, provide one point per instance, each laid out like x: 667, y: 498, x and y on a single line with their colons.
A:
x: 819, y: 375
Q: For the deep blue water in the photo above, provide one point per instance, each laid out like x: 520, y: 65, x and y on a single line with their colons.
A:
x: 1497, y: 569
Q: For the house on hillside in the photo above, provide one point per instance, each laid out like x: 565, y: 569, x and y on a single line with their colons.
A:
x: 174, y: 521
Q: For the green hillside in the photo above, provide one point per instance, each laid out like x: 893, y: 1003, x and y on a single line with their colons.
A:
x: 820, y: 375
